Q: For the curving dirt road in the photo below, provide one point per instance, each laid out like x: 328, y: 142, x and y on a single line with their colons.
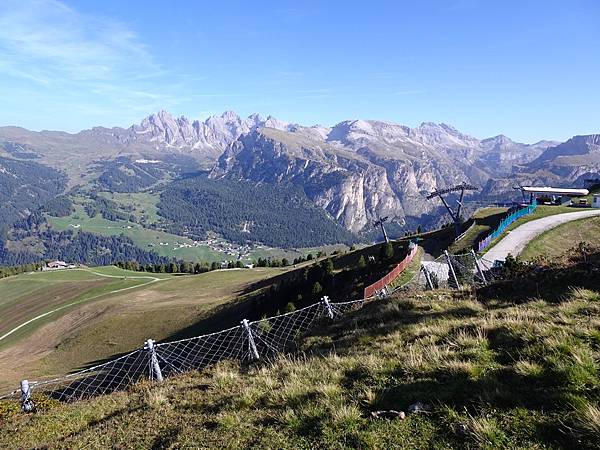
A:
x: 516, y: 240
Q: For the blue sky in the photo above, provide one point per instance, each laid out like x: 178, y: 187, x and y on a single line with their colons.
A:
x: 527, y: 69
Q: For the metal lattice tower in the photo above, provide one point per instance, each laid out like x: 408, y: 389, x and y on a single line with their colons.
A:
x: 455, y: 214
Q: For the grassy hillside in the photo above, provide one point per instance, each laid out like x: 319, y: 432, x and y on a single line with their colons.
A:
x: 540, y: 212
x: 555, y: 242
x: 27, y: 296
x: 100, y: 319
x: 511, y: 366
x: 175, y: 308
x: 484, y: 220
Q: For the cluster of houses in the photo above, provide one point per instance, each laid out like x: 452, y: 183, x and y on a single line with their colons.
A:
x: 217, y: 245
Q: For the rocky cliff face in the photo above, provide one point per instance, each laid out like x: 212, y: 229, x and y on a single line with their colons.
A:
x: 500, y: 154
x: 360, y: 170
x: 357, y: 170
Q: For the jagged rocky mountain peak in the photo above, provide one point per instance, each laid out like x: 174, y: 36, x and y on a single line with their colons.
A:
x: 497, y: 140
x: 356, y: 170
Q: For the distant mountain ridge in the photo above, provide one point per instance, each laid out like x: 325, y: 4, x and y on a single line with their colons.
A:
x: 356, y: 170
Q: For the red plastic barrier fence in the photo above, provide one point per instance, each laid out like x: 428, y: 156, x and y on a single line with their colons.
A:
x: 371, y: 290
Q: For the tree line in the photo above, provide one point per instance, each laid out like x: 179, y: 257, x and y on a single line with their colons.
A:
x: 7, y: 271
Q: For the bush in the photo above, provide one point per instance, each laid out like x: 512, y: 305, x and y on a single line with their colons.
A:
x: 317, y: 288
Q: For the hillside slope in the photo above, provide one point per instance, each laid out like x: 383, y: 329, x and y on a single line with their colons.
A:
x: 555, y: 242
x: 103, y: 312
x: 512, y: 366
x: 91, y: 316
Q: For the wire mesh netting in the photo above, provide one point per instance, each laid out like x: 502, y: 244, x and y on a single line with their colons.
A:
x: 248, y: 341
x: 108, y: 377
x: 199, y: 352
x: 260, y: 339
x: 455, y: 271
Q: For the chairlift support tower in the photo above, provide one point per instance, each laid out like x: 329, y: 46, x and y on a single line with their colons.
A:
x: 380, y: 223
x: 455, y: 214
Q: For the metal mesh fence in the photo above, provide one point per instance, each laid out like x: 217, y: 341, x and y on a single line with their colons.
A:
x: 249, y: 341
x: 505, y: 223
x: 260, y: 339
x: 455, y: 271
x: 108, y: 377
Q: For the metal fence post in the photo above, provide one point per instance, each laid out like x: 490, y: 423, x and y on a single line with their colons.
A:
x: 452, y: 272
x: 328, y: 307
x: 251, y: 343
x: 153, y: 366
x: 427, y: 277
x: 478, y: 267
x: 27, y: 404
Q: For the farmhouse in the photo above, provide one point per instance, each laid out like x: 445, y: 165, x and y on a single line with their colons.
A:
x: 56, y: 265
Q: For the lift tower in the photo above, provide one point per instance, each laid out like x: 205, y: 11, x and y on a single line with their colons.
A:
x: 455, y: 214
x: 380, y: 223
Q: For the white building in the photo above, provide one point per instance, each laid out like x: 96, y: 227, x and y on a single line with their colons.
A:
x: 58, y: 265
x: 596, y: 201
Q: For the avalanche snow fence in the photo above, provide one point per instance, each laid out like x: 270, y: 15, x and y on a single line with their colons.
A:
x: 372, y: 289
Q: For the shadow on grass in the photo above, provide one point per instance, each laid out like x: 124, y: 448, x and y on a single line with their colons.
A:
x: 101, y: 422
x: 377, y: 319
x: 554, y: 285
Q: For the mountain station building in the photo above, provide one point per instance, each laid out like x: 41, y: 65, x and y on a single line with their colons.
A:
x: 555, y: 196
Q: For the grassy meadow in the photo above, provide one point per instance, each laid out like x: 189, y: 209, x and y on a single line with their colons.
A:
x: 98, y: 318
x: 26, y: 296
x: 508, y: 366
x: 555, y: 242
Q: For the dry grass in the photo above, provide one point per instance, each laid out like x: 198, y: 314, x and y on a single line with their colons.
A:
x: 555, y: 242
x: 495, y: 373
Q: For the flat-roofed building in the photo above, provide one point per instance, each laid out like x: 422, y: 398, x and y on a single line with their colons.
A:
x: 557, y: 196
x: 571, y: 192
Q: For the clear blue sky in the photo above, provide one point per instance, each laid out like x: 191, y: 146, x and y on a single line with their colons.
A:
x: 527, y: 69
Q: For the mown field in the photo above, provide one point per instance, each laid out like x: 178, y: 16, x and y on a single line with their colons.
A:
x: 555, y: 242
x: 98, y: 318
x: 26, y: 296
x: 515, y: 365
